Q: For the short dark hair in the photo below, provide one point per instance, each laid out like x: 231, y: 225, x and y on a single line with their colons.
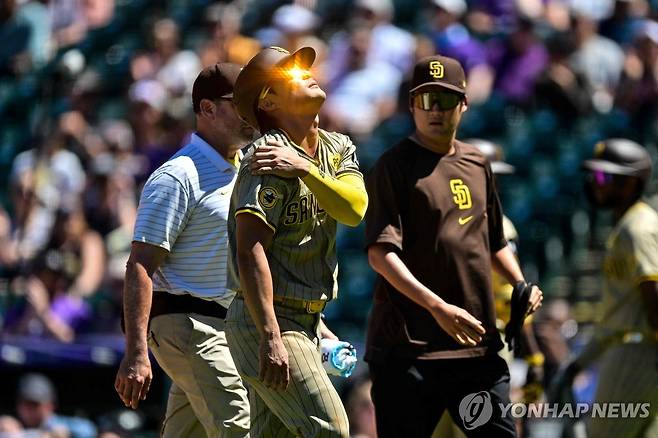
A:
x: 213, y: 83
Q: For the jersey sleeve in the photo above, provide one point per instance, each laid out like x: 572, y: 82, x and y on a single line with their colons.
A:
x: 384, y: 214
x: 497, y: 239
x: 261, y: 195
x: 645, y: 252
x: 164, y: 209
x: 349, y: 162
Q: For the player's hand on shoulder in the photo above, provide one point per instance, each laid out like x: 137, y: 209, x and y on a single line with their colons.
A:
x: 277, y: 159
x: 459, y: 324
x: 133, y: 379
x: 274, y: 369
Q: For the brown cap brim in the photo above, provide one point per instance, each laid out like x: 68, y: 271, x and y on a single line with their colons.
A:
x: 303, y: 57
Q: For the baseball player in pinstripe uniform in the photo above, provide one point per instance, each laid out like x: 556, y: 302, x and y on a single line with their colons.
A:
x: 282, y: 228
x: 626, y: 339
x: 175, y: 286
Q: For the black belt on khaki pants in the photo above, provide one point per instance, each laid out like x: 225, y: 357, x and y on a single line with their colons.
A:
x: 165, y: 303
x: 308, y: 306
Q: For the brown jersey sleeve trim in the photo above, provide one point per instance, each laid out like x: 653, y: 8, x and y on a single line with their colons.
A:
x: 385, y: 238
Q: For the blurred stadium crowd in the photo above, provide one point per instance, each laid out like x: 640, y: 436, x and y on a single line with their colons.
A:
x: 95, y: 94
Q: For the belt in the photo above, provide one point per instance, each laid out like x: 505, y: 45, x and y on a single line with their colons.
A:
x: 165, y: 303
x: 308, y: 306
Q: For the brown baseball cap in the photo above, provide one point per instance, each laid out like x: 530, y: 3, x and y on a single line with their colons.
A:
x: 439, y: 71
x: 214, y: 82
x: 268, y: 65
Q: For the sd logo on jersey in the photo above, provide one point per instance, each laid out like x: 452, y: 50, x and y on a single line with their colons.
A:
x: 267, y: 197
x: 462, y: 194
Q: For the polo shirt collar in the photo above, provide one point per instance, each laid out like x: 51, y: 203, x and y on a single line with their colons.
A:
x: 211, y: 153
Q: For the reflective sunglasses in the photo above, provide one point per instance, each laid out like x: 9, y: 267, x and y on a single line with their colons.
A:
x: 443, y: 99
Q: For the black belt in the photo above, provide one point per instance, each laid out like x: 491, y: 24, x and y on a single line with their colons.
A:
x: 165, y: 303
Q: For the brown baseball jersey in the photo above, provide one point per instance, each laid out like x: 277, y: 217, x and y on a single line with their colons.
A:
x: 442, y: 215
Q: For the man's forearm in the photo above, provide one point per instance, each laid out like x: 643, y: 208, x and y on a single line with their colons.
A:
x: 256, y: 282
x: 504, y: 263
x: 345, y: 199
x: 392, y: 268
x: 137, y: 297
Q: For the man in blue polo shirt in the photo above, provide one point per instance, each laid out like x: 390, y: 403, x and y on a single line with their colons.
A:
x: 175, y: 295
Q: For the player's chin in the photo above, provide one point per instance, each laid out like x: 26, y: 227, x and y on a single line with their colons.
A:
x: 316, y: 93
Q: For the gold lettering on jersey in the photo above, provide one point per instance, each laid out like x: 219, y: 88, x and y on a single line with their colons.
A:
x: 298, y: 212
x: 335, y: 161
x: 267, y: 197
x: 436, y: 69
x: 462, y: 194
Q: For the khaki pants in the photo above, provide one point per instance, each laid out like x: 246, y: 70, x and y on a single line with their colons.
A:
x: 310, y: 406
x: 207, y: 397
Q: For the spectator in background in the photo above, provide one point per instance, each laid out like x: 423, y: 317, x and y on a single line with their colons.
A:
x: 620, y: 25
x: 176, y: 68
x: 226, y: 43
x: 518, y: 63
x: 69, y: 269
x: 295, y: 26
x: 36, y: 402
x: 559, y: 88
x: 390, y: 44
x: 42, y: 179
x: 599, y: 59
x: 366, y: 94
x: 69, y: 25
x: 453, y: 39
x: 637, y: 93
x: 36, y: 13
x: 148, y: 101
x: 15, y: 33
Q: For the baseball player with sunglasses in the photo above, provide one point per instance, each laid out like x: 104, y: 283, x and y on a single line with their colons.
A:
x: 433, y: 232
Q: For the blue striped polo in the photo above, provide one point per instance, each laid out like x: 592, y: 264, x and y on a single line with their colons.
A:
x: 184, y: 209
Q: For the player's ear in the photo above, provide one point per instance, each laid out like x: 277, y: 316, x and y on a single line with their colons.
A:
x: 207, y: 108
x: 465, y: 104
x: 411, y: 104
x: 267, y: 104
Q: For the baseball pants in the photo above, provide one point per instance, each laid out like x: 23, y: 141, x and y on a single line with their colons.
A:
x: 310, y: 406
x: 207, y: 397
x: 628, y: 374
x: 410, y: 396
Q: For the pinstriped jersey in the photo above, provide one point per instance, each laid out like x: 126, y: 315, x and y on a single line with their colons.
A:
x: 631, y: 258
x: 302, y: 256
